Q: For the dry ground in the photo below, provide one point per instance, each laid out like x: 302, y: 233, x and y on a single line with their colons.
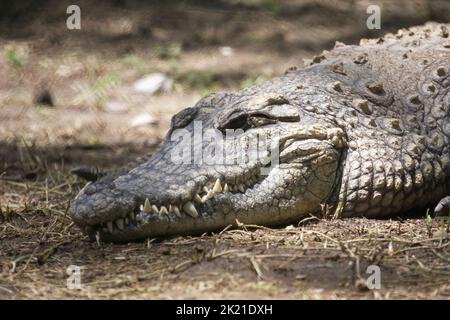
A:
x: 85, y: 70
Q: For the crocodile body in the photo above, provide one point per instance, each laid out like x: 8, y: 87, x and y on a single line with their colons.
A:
x: 362, y: 131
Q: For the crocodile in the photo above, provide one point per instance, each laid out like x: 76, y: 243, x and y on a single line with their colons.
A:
x: 360, y: 131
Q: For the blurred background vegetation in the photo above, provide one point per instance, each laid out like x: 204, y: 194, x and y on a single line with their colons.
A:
x: 198, y: 46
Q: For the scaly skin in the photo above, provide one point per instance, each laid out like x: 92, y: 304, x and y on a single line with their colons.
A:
x: 363, y: 131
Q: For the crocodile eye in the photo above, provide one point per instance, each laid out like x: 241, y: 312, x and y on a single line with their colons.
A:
x: 237, y: 122
x: 246, y: 121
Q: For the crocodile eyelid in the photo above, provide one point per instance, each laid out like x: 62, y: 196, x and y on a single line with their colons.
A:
x: 183, y: 118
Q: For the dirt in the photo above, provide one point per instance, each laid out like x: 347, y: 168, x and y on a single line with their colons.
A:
x: 80, y: 72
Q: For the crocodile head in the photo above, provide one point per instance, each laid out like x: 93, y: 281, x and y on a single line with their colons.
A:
x: 257, y: 159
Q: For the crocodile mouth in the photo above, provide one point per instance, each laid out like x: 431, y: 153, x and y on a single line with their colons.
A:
x: 201, y: 205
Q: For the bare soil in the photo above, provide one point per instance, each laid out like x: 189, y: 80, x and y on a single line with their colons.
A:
x: 84, y: 71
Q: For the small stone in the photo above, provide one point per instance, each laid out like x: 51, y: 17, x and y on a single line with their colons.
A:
x: 153, y: 83
x: 144, y: 119
x: 114, y: 106
x: 226, y: 51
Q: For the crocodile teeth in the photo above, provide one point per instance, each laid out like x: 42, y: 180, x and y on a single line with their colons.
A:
x: 226, y: 188
x: 132, y: 216
x: 189, y: 208
x: 217, y: 186
x: 170, y: 208
x: 210, y: 194
x: 109, y: 225
x: 126, y: 220
x: 198, y: 199
x: 155, y: 209
x: 204, y: 198
x: 119, y: 224
x: 147, y: 206
x: 205, y: 189
x: 163, y: 210
x: 176, y: 211
x: 241, y: 188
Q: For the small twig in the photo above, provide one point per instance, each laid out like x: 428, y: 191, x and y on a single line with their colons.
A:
x: 46, y: 254
x: 257, y: 268
x: 439, y: 255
